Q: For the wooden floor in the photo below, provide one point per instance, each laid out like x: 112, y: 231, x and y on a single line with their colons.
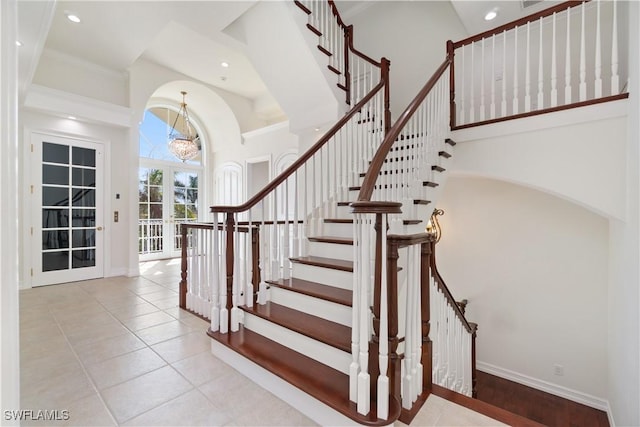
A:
x: 537, y: 405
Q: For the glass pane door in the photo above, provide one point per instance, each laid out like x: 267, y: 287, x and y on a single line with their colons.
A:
x: 69, y: 211
x: 168, y: 197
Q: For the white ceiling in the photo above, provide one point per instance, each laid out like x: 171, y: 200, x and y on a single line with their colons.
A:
x: 186, y: 36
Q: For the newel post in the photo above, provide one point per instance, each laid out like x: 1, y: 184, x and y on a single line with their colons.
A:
x: 474, y: 377
x: 348, y: 45
x: 183, y: 267
x: 395, y: 363
x: 385, y: 66
x: 425, y: 308
x: 452, y: 88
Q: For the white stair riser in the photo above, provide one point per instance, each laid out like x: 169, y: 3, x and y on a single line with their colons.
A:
x: 337, y: 313
x: 316, y: 350
x: 331, y: 250
x: 326, y: 276
x: 337, y: 229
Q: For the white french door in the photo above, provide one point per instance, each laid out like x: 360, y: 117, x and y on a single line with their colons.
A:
x: 67, y: 210
x: 167, y: 197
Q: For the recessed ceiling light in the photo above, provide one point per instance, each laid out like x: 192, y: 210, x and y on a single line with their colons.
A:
x: 72, y: 17
x: 225, y: 64
x: 491, y: 15
x: 18, y: 43
x: 71, y: 117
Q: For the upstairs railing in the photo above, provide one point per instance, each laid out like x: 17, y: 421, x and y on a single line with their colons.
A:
x: 357, y: 73
x: 562, y: 57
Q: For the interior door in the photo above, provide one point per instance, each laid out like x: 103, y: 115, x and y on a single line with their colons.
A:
x: 67, y: 208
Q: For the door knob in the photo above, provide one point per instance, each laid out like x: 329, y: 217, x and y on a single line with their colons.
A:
x: 99, y: 228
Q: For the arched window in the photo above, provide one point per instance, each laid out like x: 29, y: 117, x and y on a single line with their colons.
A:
x: 169, y: 189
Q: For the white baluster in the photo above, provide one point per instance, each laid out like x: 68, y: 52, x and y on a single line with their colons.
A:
x: 492, y: 108
x: 383, y: 360
x: 472, y: 117
x: 598, y: 71
x: 461, y: 120
x: 224, y: 312
x: 554, y: 71
x: 236, y: 283
x: 354, y: 368
x: 540, y: 105
x: 527, y: 75
x: 615, y: 79
x: 567, y: 62
x: 583, y: 60
x: 482, y: 83
x: 503, y: 105
x: 515, y: 72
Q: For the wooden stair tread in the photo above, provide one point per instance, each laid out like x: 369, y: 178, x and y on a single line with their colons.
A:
x: 326, y: 331
x: 318, y: 261
x: 314, y: 30
x: 304, y: 8
x: 314, y: 289
x: 450, y: 141
x: 444, y: 154
x: 437, y: 168
x: 332, y: 239
x: 326, y: 384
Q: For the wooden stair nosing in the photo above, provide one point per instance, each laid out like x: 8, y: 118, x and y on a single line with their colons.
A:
x: 450, y: 141
x: 430, y: 184
x: 324, y: 50
x: 444, y: 154
x: 317, y: 328
x: 334, y: 69
x: 314, y: 30
x: 324, y: 383
x: 316, y: 290
x: 304, y: 8
x: 437, y: 168
x: 332, y: 239
x: 332, y: 263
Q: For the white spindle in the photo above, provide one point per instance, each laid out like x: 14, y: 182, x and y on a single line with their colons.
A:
x: 503, y: 105
x: 224, y: 312
x: 515, y: 108
x: 554, y: 71
x: 461, y: 120
x: 472, y: 117
x: 492, y: 109
x: 615, y: 79
x: 236, y: 282
x: 567, y: 62
x: 527, y: 71
x: 540, y: 105
x: 383, y: 359
x: 482, y: 83
x: 583, y: 59
x: 598, y: 71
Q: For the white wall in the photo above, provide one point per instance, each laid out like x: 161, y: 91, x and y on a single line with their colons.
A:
x: 413, y: 35
x: 9, y: 336
x: 534, y: 269
x: 578, y: 154
x: 73, y: 75
x: 624, y: 279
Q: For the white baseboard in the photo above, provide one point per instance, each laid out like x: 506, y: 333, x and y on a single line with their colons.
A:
x: 564, y: 392
x: 303, y: 402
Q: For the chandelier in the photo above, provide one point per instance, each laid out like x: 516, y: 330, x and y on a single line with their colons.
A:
x: 182, y: 142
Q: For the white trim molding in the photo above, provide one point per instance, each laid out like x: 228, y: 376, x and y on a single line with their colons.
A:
x: 564, y: 392
x: 57, y: 102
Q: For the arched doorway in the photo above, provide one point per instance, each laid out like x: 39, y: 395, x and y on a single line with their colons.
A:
x: 169, y: 190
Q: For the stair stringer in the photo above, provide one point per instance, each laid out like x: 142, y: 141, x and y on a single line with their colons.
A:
x: 273, y: 39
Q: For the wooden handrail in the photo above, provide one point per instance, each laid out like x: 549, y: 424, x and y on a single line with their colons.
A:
x: 371, y: 177
x: 445, y: 291
x: 303, y: 159
x: 519, y: 22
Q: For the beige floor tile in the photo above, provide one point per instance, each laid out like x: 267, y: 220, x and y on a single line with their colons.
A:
x: 97, y: 351
x: 73, y: 324
x: 201, y: 368
x: 128, y: 312
x: 233, y: 387
x: 190, y: 409
x: 183, y: 346
x: 160, y: 295
x: 90, y: 334
x: 125, y: 367
x: 134, y: 397
x: 166, y: 331
x: 167, y: 303
x: 56, y: 392
x: 34, y: 373
x: 188, y: 318
x: 56, y: 350
x: 90, y: 411
x: 148, y: 288
x: 147, y: 320
x: 455, y: 415
x: 121, y: 302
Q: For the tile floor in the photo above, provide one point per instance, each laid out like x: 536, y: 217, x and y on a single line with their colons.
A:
x: 118, y: 351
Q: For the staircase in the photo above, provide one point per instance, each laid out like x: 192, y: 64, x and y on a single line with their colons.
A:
x: 326, y: 279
